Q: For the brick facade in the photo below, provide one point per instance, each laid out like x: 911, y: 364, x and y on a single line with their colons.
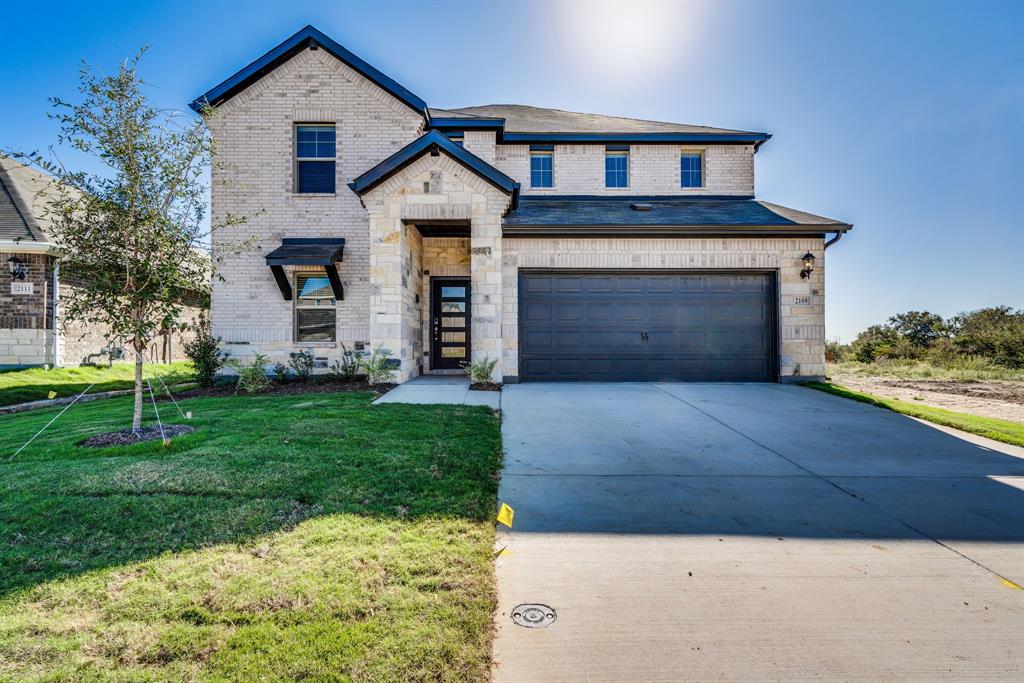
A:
x: 653, y: 169
x: 388, y: 263
x: 27, y: 334
x: 253, y: 177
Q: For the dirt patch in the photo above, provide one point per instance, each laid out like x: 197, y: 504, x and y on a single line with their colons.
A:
x: 318, y: 386
x: 485, y: 386
x: 1011, y: 392
x: 1002, y: 400
x: 126, y: 437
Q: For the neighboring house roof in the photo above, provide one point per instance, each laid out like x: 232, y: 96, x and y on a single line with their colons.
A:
x: 574, y: 215
x: 431, y: 142
x: 22, y: 200
x: 306, y: 38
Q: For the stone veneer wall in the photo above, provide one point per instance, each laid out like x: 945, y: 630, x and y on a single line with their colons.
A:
x: 653, y: 169
x: 253, y: 177
x: 432, y: 188
x: 801, y: 302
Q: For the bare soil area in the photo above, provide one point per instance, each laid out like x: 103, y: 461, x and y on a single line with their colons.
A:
x: 127, y: 437
x: 1000, y: 399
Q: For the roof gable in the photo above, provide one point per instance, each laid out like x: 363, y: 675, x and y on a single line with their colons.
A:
x: 431, y: 142
x: 307, y: 38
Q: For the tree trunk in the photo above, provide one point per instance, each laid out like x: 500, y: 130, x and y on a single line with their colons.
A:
x: 137, y: 412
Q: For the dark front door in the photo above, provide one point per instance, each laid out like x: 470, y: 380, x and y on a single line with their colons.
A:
x: 636, y: 326
x: 449, y: 324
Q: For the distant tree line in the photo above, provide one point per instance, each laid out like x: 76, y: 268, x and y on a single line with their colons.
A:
x: 994, y: 334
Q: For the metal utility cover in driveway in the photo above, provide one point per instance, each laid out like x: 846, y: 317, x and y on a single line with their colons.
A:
x: 641, y: 326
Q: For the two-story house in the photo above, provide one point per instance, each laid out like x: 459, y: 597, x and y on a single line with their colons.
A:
x: 568, y: 246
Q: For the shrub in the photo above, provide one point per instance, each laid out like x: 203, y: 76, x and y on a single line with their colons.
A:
x: 204, y: 352
x: 480, y: 370
x: 873, y: 343
x: 281, y: 372
x: 347, y: 368
x: 252, y: 378
x: 302, y: 364
x: 836, y: 352
x: 378, y: 368
x: 995, y: 333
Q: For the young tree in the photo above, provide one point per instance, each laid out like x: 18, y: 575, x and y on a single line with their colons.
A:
x: 134, y: 233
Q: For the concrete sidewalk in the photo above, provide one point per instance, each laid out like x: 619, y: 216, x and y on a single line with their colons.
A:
x: 448, y: 389
x: 753, y: 532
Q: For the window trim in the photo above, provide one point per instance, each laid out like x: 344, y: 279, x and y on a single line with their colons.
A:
x: 305, y: 272
x: 296, y: 159
x: 609, y: 152
x: 550, y: 154
x: 691, y: 151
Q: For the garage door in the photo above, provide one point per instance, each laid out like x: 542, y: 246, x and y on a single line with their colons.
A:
x: 647, y: 326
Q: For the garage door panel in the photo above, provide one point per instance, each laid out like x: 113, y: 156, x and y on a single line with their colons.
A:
x: 536, y: 311
x: 645, y: 327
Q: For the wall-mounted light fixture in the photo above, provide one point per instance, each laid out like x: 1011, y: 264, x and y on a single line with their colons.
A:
x: 808, y: 260
x: 17, y: 269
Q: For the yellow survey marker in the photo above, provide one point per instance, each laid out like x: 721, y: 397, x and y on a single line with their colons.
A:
x: 505, y: 515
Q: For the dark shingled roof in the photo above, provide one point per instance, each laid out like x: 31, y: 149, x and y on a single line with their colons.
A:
x: 521, y: 118
x: 19, y: 190
x: 661, y: 215
x: 13, y: 225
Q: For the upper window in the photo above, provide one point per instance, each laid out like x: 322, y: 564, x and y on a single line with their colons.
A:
x: 315, y: 311
x: 315, y: 150
x: 691, y: 169
x: 541, y: 167
x: 616, y: 166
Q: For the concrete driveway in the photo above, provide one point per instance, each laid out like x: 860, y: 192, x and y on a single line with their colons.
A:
x: 754, y: 532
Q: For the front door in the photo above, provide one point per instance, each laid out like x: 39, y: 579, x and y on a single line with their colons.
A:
x: 449, y: 324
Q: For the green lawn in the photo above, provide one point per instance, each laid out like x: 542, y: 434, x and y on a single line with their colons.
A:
x: 1000, y: 430
x: 308, y: 537
x: 19, y: 386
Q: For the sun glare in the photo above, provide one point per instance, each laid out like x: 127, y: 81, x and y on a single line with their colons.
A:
x: 639, y: 40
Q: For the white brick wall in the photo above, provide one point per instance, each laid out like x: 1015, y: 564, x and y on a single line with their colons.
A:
x: 253, y: 177
x: 653, y: 169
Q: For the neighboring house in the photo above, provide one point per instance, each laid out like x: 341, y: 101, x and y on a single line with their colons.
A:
x: 32, y: 332
x: 568, y: 246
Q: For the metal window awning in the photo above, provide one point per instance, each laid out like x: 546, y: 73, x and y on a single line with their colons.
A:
x: 308, y: 251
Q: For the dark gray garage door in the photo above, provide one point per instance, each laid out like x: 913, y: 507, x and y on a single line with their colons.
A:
x: 647, y: 327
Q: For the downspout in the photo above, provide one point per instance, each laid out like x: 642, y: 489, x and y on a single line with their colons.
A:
x: 832, y: 241
x: 56, y: 314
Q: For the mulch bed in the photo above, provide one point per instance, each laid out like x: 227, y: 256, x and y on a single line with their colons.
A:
x: 126, y: 437
x: 485, y: 386
x: 313, y: 386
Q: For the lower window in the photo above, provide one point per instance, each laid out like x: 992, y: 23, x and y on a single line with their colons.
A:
x: 315, y: 309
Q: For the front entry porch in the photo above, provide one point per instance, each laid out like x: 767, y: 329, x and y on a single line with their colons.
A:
x: 436, y: 266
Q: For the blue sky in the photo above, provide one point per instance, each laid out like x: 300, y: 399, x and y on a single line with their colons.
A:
x: 905, y: 119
